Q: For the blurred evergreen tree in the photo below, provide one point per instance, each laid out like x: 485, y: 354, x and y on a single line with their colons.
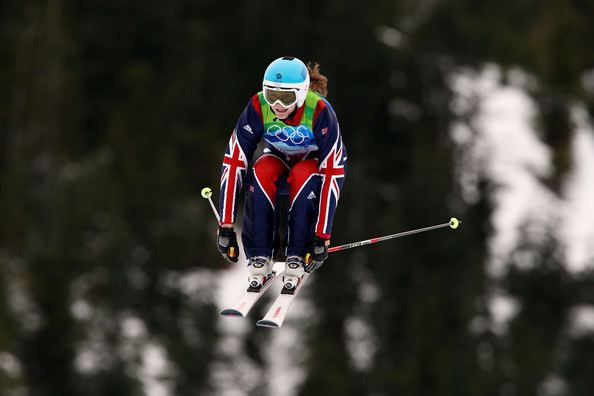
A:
x: 544, y: 292
x: 100, y: 165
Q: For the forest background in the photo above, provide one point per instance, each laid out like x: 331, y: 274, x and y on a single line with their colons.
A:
x: 114, y: 115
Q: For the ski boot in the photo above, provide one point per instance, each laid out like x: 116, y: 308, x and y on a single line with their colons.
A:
x: 294, y: 270
x: 260, y: 269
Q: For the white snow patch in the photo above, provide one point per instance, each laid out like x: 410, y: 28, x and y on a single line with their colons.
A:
x: 155, y: 372
x: 81, y: 309
x: 286, y: 355
x: 588, y: 80
x: 92, y: 353
x: 233, y: 374
x: 553, y: 385
x: 195, y: 285
x: 502, y: 308
x: 10, y: 365
x: 578, y: 228
x: 360, y: 342
x: 582, y: 320
x: 498, y: 140
x: 390, y: 36
x: 133, y: 328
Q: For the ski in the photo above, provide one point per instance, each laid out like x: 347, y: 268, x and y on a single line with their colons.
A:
x: 249, y: 298
x: 275, y: 316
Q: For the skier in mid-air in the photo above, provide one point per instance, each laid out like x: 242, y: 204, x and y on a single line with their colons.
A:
x: 304, y: 152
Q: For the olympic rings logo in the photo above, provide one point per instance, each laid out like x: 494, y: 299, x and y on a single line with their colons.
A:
x: 286, y: 133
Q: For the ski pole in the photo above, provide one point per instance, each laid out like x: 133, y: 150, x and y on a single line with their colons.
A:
x: 206, y: 194
x: 453, y: 224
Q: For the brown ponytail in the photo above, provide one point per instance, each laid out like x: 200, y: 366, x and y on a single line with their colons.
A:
x: 317, y: 81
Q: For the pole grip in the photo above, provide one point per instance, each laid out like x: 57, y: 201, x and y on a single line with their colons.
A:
x: 207, y: 194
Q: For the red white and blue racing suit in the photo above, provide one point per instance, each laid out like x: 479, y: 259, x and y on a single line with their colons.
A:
x: 304, y: 152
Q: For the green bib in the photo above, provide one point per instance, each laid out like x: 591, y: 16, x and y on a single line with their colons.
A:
x: 289, y: 139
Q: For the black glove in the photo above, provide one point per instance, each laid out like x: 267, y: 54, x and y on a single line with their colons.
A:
x: 227, y: 244
x: 317, y: 254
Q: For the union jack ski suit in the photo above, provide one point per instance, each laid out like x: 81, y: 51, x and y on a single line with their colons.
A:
x: 303, y: 154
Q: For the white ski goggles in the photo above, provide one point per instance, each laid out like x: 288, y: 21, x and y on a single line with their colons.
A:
x: 286, y: 97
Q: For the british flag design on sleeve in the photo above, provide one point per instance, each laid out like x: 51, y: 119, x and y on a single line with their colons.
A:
x: 234, y: 167
x: 332, y: 170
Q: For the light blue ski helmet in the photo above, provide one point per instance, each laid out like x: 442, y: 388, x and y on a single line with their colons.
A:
x: 286, y: 74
